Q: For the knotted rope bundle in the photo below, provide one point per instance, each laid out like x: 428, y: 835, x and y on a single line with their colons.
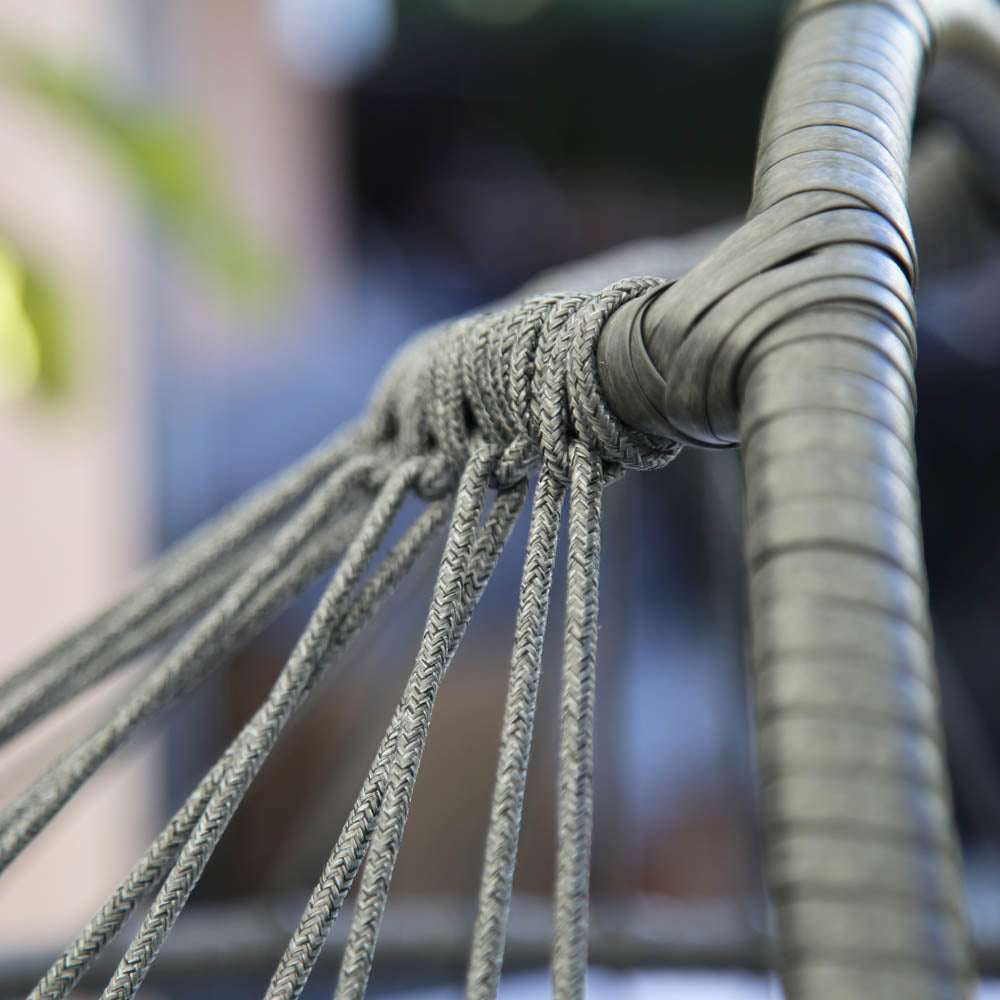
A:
x: 483, y: 402
x: 524, y: 380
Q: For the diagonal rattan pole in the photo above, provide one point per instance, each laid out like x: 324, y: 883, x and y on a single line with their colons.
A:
x: 456, y: 592
x: 575, y: 804
x: 328, y: 896
x: 169, y: 581
x: 150, y: 870
x: 191, y: 660
x: 496, y: 885
x: 260, y: 734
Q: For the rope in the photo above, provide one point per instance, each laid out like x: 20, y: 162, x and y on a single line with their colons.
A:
x: 323, y: 633
x: 575, y: 806
x: 57, y: 682
x: 446, y: 622
x: 483, y: 403
x: 496, y: 885
x: 243, y: 609
x: 152, y: 868
x: 163, y: 599
x: 338, y: 876
x: 145, y: 876
x: 345, y: 860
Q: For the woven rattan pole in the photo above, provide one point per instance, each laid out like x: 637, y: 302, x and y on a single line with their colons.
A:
x: 796, y: 339
x: 861, y: 852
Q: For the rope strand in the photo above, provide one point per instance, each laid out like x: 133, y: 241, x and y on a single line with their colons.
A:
x: 307, y: 660
x: 338, y: 876
x: 226, y: 536
x: 459, y: 584
x: 153, y: 867
x: 224, y: 626
x: 575, y: 807
x: 496, y: 884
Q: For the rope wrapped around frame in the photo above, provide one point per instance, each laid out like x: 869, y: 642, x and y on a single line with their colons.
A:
x: 478, y: 405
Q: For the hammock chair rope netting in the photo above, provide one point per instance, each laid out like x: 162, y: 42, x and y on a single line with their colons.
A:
x: 794, y: 338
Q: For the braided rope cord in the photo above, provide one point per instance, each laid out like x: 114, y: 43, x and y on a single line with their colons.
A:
x: 446, y: 622
x: 245, y: 607
x: 259, y: 735
x: 52, y: 687
x: 496, y: 884
x: 338, y: 876
x: 166, y: 598
x: 575, y: 805
x: 348, y: 852
x: 153, y: 867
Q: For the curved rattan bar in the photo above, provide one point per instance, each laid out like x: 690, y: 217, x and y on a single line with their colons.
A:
x: 861, y: 854
x: 796, y: 338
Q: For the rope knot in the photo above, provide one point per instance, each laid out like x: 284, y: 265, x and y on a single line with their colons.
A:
x: 523, y: 380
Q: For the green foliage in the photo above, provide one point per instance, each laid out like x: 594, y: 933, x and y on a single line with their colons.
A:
x: 160, y: 155
x: 33, y: 355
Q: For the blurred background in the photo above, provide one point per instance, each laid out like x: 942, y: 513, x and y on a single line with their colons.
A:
x: 218, y: 219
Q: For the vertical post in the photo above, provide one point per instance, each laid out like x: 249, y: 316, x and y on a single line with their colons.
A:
x: 861, y: 854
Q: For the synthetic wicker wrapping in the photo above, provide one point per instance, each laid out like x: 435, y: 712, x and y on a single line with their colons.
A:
x: 796, y: 338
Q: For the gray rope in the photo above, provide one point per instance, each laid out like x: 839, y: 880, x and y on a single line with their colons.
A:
x: 446, y: 622
x: 338, y: 876
x: 436, y: 414
x: 526, y: 379
x: 575, y: 806
x: 140, y: 882
x: 542, y: 393
x: 54, y: 688
x: 59, y: 681
x: 322, y: 636
x: 85, y: 655
x: 496, y: 884
x: 348, y: 852
x: 151, y: 869
x: 219, y: 631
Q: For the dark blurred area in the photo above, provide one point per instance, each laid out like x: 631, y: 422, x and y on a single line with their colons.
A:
x: 416, y: 160
x: 501, y: 150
